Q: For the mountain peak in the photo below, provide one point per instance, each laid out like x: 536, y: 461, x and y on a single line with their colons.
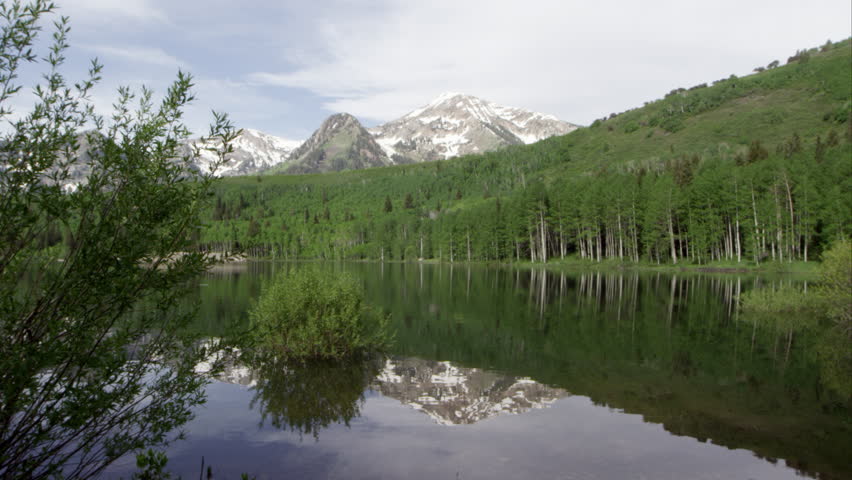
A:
x: 339, y: 120
x: 447, y: 96
x: 340, y: 116
x: 341, y: 143
x: 457, y: 124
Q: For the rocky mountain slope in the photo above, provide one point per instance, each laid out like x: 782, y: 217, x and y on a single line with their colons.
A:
x: 341, y: 143
x: 455, y: 124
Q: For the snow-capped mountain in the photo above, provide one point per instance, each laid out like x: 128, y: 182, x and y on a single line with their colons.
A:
x: 341, y: 143
x: 455, y: 124
x: 451, y: 125
x: 254, y: 152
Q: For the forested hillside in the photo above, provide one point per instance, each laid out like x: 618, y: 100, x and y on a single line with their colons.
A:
x: 744, y: 170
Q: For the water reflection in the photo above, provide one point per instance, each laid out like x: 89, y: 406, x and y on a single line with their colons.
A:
x: 453, y: 395
x: 669, y: 347
x: 308, y: 397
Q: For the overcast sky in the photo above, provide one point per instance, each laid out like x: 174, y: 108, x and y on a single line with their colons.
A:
x: 283, y: 66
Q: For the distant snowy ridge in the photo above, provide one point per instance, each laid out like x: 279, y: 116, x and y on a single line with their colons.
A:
x: 254, y: 152
x: 457, y: 124
x: 452, y: 124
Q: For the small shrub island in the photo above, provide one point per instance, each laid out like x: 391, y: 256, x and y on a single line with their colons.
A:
x: 310, y: 314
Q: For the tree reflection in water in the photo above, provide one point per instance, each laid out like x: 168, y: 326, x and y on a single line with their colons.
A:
x: 309, y: 397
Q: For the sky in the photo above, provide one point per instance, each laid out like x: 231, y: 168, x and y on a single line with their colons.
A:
x: 283, y: 66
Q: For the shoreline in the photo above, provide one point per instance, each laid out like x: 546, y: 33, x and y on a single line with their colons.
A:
x: 787, y: 268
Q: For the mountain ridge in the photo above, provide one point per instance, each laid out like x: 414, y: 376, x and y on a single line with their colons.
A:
x: 452, y: 124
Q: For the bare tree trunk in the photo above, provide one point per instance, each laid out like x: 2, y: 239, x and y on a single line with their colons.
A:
x: 792, y: 222
x: 807, y: 225
x: 671, y: 237
x: 737, y: 238
x: 730, y: 242
x: 600, y: 244
x: 757, y: 249
x: 635, y: 239
x: 532, y: 247
x: 737, y: 221
x: 779, y: 233
x: 543, y: 235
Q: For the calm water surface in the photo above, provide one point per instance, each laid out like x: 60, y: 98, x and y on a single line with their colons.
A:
x: 500, y: 373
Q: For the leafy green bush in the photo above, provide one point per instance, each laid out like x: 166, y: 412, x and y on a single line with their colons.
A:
x: 834, y: 294
x: 672, y: 124
x: 832, y: 300
x: 788, y: 308
x: 311, y: 314
x: 835, y: 287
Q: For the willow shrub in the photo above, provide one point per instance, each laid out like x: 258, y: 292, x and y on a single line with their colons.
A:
x: 835, y: 289
x: 310, y: 314
x: 96, y: 257
x: 790, y: 309
x: 835, y: 296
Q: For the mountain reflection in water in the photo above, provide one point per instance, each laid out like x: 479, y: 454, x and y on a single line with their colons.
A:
x: 306, y: 398
x: 454, y: 395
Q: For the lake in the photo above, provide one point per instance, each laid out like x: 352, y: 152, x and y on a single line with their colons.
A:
x: 519, y: 373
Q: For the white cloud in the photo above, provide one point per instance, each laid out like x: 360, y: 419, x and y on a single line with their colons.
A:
x: 576, y: 59
x: 152, y: 56
x: 104, y: 10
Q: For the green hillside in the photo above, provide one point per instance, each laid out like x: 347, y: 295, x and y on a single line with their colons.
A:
x: 744, y: 170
